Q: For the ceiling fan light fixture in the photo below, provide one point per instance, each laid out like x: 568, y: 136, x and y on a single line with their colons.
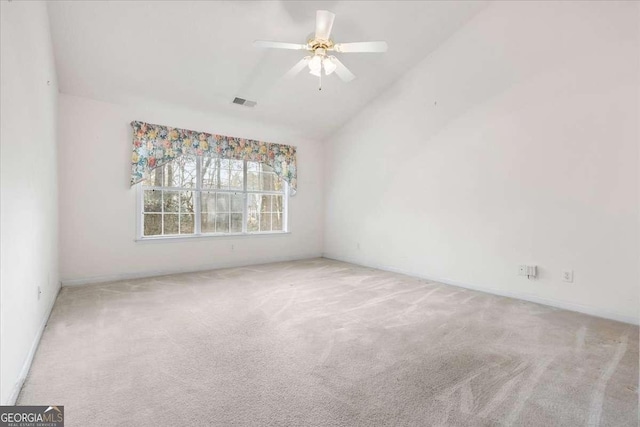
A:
x: 329, y: 66
x: 315, y: 64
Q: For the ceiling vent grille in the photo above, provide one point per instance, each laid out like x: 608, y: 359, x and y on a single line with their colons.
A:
x: 244, y: 102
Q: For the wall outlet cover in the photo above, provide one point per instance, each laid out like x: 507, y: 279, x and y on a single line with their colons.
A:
x: 567, y: 276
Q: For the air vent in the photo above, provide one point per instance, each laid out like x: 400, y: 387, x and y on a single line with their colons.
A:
x: 242, y: 101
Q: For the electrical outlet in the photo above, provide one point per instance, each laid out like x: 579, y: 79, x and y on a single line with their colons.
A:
x: 567, y: 276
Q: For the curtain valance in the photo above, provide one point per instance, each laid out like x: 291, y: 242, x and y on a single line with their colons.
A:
x: 155, y: 145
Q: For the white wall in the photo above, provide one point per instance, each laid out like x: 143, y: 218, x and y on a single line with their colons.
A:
x: 98, y: 207
x: 515, y: 142
x: 28, y: 200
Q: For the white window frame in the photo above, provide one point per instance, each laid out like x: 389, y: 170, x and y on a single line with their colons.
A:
x: 197, y: 233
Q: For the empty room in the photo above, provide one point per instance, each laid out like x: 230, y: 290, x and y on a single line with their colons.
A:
x: 319, y: 213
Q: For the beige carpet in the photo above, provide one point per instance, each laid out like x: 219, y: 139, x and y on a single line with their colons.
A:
x: 320, y: 342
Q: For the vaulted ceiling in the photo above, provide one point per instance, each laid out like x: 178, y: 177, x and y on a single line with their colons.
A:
x: 200, y: 54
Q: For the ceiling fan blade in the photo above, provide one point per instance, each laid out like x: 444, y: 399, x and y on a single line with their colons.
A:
x: 361, y: 47
x: 342, y: 71
x: 324, y: 22
x: 301, y: 65
x: 279, y: 45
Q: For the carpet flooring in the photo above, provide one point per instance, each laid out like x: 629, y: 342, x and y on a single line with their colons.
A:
x: 326, y: 343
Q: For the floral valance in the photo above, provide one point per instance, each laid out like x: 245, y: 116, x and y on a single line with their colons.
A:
x: 155, y: 145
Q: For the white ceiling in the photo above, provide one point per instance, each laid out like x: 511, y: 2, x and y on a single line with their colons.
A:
x: 200, y: 54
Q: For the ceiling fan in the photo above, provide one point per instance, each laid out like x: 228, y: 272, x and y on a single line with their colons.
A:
x: 320, y: 47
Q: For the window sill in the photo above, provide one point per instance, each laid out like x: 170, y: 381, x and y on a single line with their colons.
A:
x: 209, y: 236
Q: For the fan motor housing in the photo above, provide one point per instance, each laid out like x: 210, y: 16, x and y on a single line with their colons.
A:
x: 315, y: 44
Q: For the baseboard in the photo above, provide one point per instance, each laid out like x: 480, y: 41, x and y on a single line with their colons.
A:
x: 15, y: 392
x: 167, y: 272
x: 593, y: 311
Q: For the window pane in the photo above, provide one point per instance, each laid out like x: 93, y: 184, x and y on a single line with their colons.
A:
x: 276, y: 221
x: 266, y: 181
x: 277, y: 217
x: 258, y: 181
x: 253, y: 203
x: 222, y: 223
x: 261, y: 177
x: 236, y: 223
x: 152, y: 201
x: 277, y: 183
x: 186, y: 223
x: 222, y: 174
x: 181, y: 172
x: 170, y: 201
x: 253, y: 181
x: 155, y: 178
x: 222, y: 202
x: 208, y: 202
x: 265, y: 222
x: 235, y: 180
x: 152, y: 224
x: 171, y: 223
x: 265, y: 204
x: 253, y: 222
x: 277, y: 204
x: 223, y: 177
x: 237, y: 202
x: 187, y: 202
x: 208, y: 223
x: 210, y: 172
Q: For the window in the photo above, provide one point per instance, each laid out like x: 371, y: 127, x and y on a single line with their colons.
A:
x: 198, y: 196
